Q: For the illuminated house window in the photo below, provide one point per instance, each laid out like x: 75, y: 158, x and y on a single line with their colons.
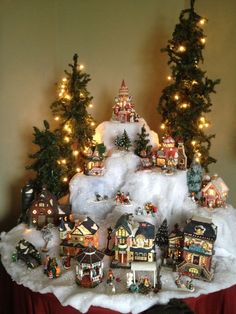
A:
x: 41, y: 204
x: 211, y: 192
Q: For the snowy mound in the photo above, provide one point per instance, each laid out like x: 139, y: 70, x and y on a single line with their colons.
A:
x: 167, y: 192
x: 107, y: 131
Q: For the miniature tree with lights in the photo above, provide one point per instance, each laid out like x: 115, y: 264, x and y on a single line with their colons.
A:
x: 185, y: 101
x: 70, y: 110
x: 194, y: 177
x: 162, y: 238
x: 141, y: 144
x: 51, y: 162
x: 60, y: 153
x: 123, y: 141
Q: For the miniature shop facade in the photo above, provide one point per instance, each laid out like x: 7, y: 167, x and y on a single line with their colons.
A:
x: 198, y: 248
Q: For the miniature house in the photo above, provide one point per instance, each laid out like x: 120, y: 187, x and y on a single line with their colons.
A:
x: 134, y: 241
x: 199, y: 236
x: 82, y: 235
x: 45, y: 209
x: 94, y: 160
x: 214, y: 193
x: 175, y: 246
x: 89, y: 268
x: 123, y: 110
x: 168, y: 154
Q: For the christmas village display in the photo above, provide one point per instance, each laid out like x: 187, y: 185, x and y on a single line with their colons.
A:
x: 145, y: 184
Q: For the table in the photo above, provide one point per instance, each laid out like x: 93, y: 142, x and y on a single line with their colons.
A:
x: 17, y: 299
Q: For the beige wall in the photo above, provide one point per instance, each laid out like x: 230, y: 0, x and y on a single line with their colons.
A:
x: 115, y: 40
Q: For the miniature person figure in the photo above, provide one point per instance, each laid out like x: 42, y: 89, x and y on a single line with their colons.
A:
x: 110, y: 277
x: 67, y: 262
x: 129, y: 279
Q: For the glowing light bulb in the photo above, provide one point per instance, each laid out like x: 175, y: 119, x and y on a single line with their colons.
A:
x: 92, y: 123
x: 75, y: 152
x: 57, y: 118
x: 184, y: 105
x: 63, y: 161
x: 68, y: 97
x: 182, y: 49
x: 176, y: 96
x: 197, y: 159
x: 203, y: 40
x: 66, y: 139
x: 207, y: 124
x: 81, y: 67
x: 193, y: 142
x: 169, y: 78
x: 64, y: 79
x: 60, y: 94
x: 90, y: 105
x: 78, y: 169
x: 202, y: 21
x: 65, y: 179
x: 202, y: 119
x: 200, y: 126
x: 163, y: 126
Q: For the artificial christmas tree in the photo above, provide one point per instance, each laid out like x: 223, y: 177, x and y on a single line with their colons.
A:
x: 185, y: 101
x: 162, y: 236
x: 61, y: 151
x: 123, y: 141
x: 141, y: 144
x: 52, y: 162
x: 194, y: 177
x: 70, y: 109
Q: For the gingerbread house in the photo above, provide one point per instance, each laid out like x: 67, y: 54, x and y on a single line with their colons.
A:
x: 214, y: 193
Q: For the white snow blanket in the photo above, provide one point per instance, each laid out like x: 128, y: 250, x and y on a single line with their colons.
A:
x: 168, y: 192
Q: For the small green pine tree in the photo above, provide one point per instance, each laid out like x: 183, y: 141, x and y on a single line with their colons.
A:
x: 141, y: 144
x: 162, y: 236
x: 50, y: 161
x: 123, y: 141
x: 194, y: 177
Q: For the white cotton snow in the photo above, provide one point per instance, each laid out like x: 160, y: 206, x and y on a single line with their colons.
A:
x: 168, y: 192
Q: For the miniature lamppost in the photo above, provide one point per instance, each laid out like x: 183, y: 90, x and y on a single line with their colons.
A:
x: 107, y: 250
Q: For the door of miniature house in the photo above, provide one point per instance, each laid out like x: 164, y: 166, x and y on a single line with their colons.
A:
x: 41, y: 220
x: 196, y: 259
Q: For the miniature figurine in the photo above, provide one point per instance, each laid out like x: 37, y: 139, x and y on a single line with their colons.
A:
x: 67, y: 262
x: 150, y: 208
x: 184, y: 285
x: 51, y: 267
x: 110, y: 277
x: 122, y: 199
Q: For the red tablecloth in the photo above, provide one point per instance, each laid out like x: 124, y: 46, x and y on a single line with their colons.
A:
x: 16, y: 299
